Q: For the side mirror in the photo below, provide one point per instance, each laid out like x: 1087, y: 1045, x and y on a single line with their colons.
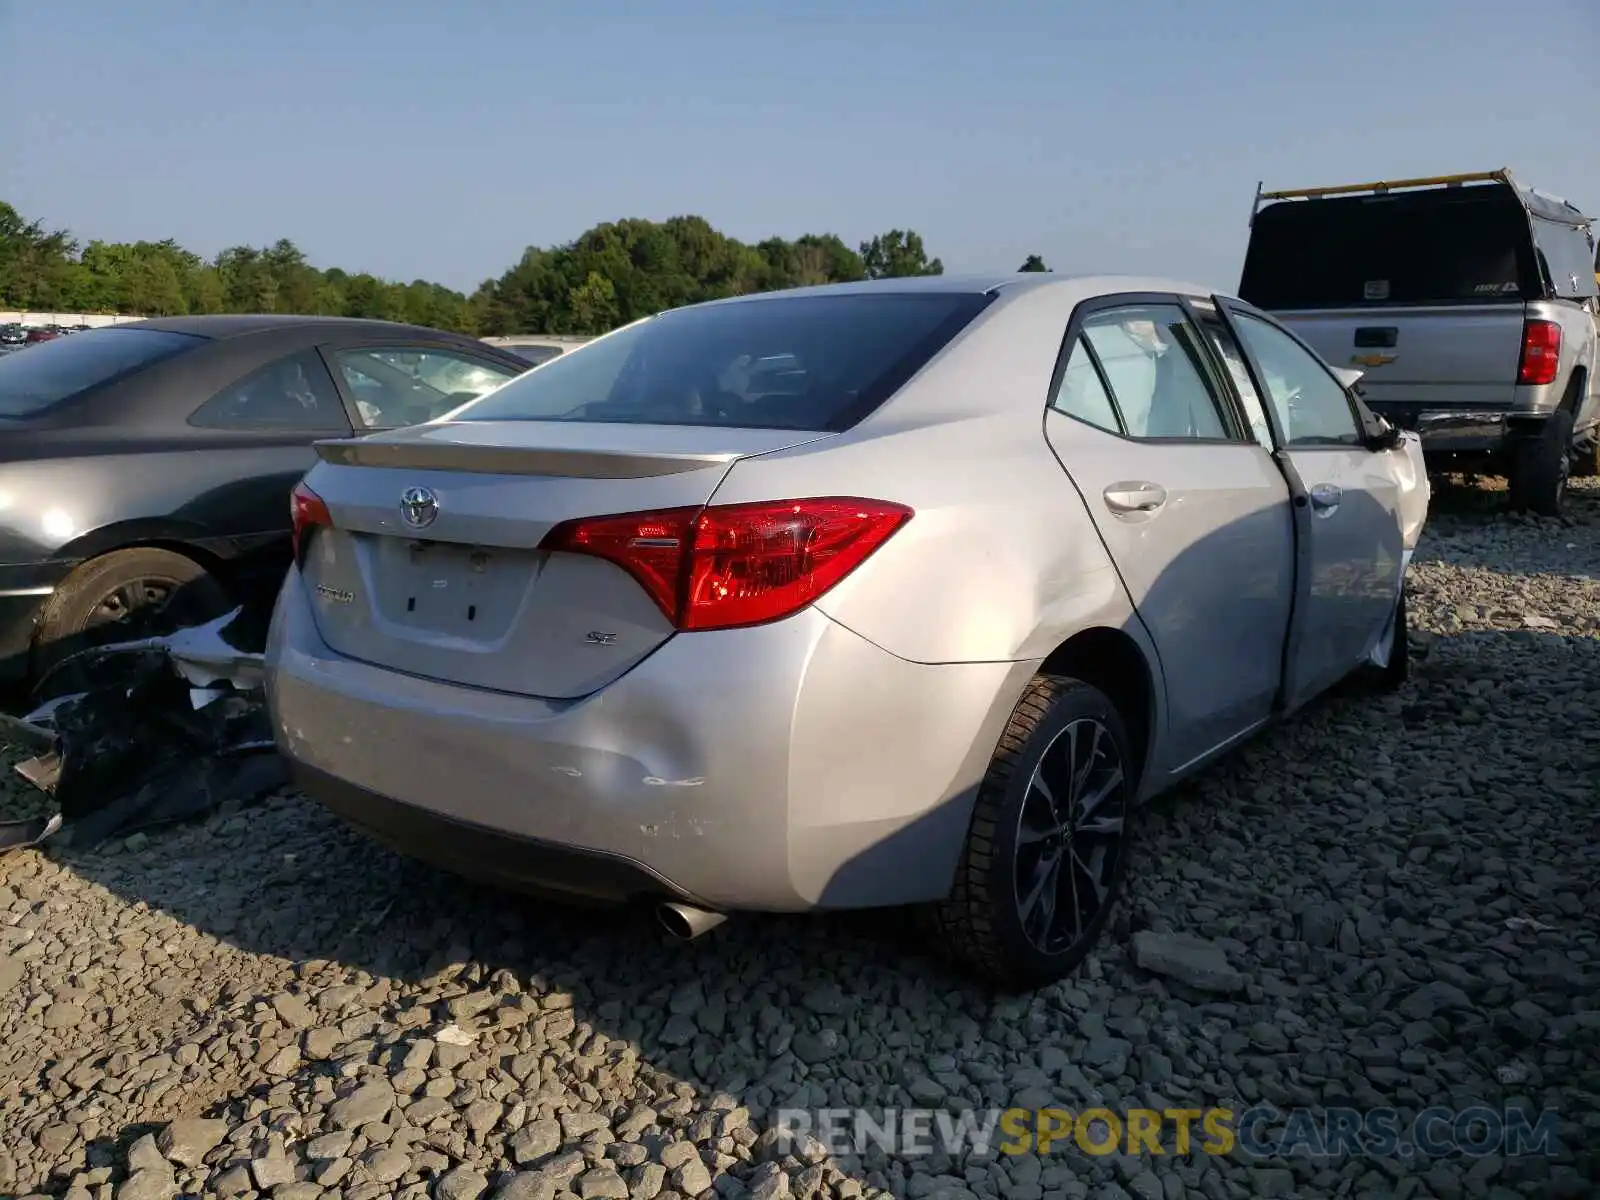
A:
x: 1386, y: 437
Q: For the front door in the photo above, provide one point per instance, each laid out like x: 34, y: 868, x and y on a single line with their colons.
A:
x: 1346, y: 505
x: 1193, y: 512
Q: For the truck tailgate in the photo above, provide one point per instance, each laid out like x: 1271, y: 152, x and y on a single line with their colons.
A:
x: 1435, y: 357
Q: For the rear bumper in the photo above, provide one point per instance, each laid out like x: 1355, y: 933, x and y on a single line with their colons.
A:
x: 1461, y: 429
x: 489, y: 855
x: 785, y: 767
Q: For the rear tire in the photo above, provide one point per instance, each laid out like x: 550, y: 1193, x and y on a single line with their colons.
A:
x: 1047, y: 849
x: 142, y: 591
x: 1539, y: 467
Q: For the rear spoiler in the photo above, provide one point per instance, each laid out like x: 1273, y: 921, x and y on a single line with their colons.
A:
x: 1380, y: 187
x: 557, y: 461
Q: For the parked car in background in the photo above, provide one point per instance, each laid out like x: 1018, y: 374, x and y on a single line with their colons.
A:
x: 1469, y: 300
x: 42, y: 333
x: 12, y: 337
x: 904, y: 592
x: 111, y: 523
x: 538, y: 348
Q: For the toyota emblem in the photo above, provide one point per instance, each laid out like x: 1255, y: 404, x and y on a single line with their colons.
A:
x: 419, y: 506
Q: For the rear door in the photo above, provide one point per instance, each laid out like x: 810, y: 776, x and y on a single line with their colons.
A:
x: 1192, y: 510
x: 1346, y: 507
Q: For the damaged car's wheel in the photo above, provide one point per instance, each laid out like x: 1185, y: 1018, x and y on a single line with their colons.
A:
x: 1396, y: 668
x: 1047, y: 849
x: 143, y: 591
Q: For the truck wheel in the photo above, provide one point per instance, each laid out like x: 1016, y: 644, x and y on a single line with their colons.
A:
x: 1047, y: 849
x: 1539, y: 466
x: 143, y: 591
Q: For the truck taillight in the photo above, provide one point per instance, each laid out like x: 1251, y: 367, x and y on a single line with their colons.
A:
x: 306, y: 509
x: 1541, y: 353
x: 731, y: 565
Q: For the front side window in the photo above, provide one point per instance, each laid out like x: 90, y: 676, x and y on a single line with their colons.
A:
x: 394, y: 386
x: 1312, y: 407
x: 1155, y: 366
x: 818, y: 363
x: 49, y: 372
x: 291, y: 393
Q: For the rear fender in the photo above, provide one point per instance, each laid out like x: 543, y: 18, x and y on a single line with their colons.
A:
x: 183, y: 537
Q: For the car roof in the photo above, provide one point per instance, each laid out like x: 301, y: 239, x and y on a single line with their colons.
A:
x: 1088, y: 284
x: 231, y: 325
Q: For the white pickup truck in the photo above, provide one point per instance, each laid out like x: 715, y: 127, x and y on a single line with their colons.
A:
x: 1468, y: 301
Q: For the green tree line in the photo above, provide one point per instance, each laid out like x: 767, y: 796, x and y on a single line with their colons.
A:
x: 614, y: 273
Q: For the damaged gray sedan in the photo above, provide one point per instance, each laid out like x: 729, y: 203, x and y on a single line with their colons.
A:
x: 899, y: 593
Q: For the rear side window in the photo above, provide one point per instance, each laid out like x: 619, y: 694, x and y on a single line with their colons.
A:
x: 1081, y: 394
x: 1449, y: 246
x: 48, y: 373
x: 1567, y: 253
x: 294, y: 392
x: 1156, y: 370
x: 818, y: 363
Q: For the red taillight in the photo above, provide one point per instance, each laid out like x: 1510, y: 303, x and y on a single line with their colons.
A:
x: 1541, y: 353
x: 306, y: 509
x: 736, y: 564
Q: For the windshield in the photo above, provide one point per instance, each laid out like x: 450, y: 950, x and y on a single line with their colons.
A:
x: 817, y: 363
x: 1445, y: 246
x: 48, y: 372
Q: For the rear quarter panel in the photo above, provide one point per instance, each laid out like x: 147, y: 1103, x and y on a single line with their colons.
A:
x: 1578, y: 352
x: 231, y: 500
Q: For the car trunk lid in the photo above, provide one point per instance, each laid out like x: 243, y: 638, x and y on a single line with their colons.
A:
x: 462, y: 592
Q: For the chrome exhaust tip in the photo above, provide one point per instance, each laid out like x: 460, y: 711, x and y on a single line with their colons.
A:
x: 686, y: 922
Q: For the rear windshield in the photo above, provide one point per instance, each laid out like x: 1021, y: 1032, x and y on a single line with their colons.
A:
x: 818, y: 363
x: 46, y: 373
x: 1445, y: 246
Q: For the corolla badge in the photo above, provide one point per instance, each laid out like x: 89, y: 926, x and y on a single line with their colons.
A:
x: 419, y: 506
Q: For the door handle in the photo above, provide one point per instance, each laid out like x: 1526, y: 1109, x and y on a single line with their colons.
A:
x: 1134, y: 497
x: 1325, y: 498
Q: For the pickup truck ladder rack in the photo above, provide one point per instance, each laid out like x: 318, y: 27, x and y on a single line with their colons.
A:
x: 1380, y: 187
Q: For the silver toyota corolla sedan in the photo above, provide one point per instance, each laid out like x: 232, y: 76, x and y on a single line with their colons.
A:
x: 896, y: 593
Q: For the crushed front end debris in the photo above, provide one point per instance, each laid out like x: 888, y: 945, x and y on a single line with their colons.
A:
x: 147, y: 732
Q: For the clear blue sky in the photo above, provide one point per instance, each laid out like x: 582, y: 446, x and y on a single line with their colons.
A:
x: 438, y: 140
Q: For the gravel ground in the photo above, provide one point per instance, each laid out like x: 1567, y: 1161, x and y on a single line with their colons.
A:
x: 1402, y: 886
